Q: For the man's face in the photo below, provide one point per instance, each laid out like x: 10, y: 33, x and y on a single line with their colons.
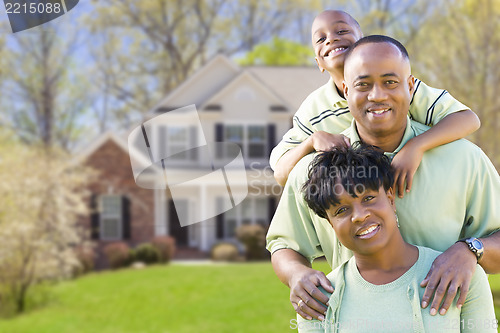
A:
x: 378, y: 86
x: 333, y: 32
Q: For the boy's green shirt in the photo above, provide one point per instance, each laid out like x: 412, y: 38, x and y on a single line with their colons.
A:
x: 325, y: 110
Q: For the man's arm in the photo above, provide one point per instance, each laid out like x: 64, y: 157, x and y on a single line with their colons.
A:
x: 452, y: 127
x: 295, y: 271
x: 453, y: 271
x: 490, y: 261
x: 318, y: 141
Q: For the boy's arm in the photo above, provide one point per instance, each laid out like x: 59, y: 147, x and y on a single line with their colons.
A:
x: 318, y: 141
x: 452, y: 127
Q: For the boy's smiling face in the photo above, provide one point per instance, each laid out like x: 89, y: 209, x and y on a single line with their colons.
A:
x: 333, y: 32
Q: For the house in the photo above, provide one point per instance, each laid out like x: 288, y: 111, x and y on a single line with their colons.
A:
x: 250, y: 106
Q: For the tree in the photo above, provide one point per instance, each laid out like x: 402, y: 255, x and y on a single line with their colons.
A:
x: 48, y: 96
x: 144, y: 49
x: 279, y: 52
x: 458, y: 50
x: 42, y: 196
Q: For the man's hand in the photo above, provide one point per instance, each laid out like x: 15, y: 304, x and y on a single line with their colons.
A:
x: 324, y: 141
x: 307, y: 300
x: 450, y: 271
x: 405, y: 165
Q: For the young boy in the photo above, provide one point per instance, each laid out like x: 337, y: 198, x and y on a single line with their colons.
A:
x: 324, y: 113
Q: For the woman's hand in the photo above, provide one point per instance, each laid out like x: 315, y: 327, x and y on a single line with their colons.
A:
x: 324, y: 141
x: 405, y: 164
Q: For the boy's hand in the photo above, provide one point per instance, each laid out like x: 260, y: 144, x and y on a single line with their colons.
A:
x: 405, y: 164
x: 324, y: 141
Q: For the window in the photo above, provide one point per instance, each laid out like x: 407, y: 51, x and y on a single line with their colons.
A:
x: 256, y: 141
x: 177, y: 139
x: 251, y: 139
x: 250, y: 211
x: 111, y: 217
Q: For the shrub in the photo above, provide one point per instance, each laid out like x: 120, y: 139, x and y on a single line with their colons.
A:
x: 118, y: 254
x: 146, y: 253
x: 86, y: 257
x: 253, y: 236
x: 224, y: 252
x: 165, y: 246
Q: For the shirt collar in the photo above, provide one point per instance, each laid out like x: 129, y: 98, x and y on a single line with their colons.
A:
x: 333, y: 95
x: 408, y: 134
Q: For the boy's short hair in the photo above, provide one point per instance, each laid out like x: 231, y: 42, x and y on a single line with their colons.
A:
x: 356, y: 169
x: 377, y: 39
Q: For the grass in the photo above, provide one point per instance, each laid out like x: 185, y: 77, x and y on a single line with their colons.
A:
x: 175, y: 298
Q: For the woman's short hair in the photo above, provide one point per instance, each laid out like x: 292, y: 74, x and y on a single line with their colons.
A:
x: 356, y: 169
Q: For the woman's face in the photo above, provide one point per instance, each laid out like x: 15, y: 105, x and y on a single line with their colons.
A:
x: 364, y: 224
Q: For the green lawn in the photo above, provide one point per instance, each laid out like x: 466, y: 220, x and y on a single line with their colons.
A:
x: 174, y: 298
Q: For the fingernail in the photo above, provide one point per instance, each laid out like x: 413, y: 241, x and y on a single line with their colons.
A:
x: 309, y: 318
x: 327, y: 303
x: 407, y: 191
x: 433, y: 312
x: 459, y: 306
x: 424, y: 304
x: 321, y: 318
x: 442, y: 312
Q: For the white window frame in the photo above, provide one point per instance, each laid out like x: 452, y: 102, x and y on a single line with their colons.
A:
x: 105, y: 215
x: 184, y: 145
x: 245, y: 142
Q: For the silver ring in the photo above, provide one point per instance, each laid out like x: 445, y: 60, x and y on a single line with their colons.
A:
x: 298, y: 304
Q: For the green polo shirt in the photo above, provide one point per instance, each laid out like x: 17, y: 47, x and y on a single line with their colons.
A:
x: 455, y: 194
x: 325, y: 110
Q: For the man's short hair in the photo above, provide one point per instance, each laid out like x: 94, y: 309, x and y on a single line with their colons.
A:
x: 377, y: 39
x: 356, y: 169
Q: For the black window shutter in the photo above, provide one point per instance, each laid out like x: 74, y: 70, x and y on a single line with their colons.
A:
x: 220, y: 226
x: 193, y: 139
x: 271, y: 137
x: 126, y: 217
x: 94, y: 217
x: 219, y: 137
x: 219, y: 132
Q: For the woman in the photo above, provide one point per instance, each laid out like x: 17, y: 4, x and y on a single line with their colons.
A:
x: 378, y: 290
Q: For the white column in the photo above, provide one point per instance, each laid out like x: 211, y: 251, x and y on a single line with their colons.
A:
x: 159, y: 212
x: 204, y: 227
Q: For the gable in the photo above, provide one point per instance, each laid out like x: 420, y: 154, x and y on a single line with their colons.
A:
x: 245, y: 97
x: 201, y: 85
x: 290, y: 83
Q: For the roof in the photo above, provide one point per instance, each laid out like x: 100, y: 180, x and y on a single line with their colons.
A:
x: 291, y: 83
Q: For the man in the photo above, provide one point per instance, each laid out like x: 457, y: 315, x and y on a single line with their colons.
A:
x: 453, y: 193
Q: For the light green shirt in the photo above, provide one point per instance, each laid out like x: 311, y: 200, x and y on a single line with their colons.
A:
x: 455, y: 194
x: 358, y: 306
x: 325, y: 110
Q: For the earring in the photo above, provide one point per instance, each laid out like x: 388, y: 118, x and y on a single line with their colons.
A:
x: 397, y: 219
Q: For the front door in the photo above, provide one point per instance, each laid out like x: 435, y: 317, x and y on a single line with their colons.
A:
x: 179, y: 233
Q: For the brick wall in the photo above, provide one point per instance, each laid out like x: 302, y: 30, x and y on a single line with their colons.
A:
x: 115, y: 177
